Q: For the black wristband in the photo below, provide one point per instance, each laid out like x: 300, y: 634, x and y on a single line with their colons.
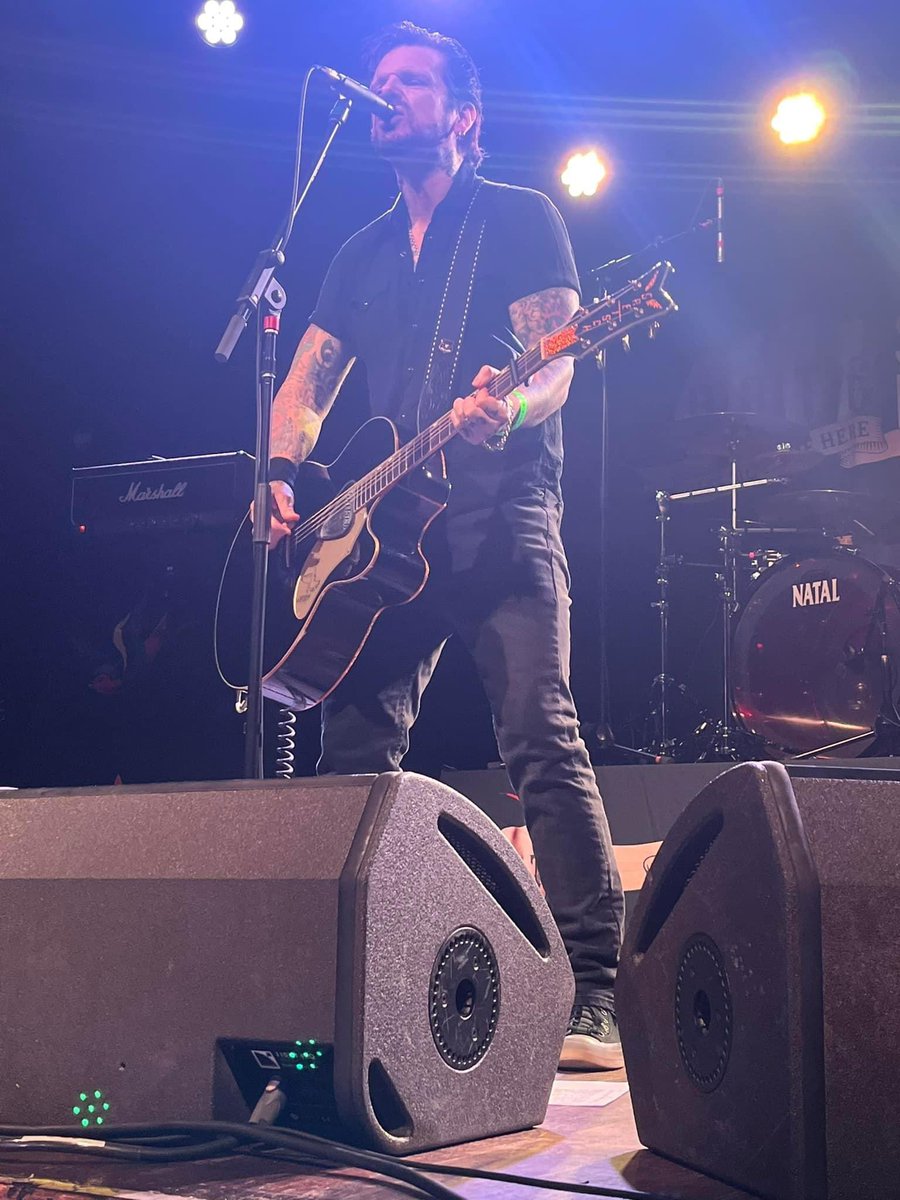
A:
x: 283, y: 469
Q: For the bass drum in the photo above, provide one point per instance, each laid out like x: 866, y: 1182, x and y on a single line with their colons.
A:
x: 807, y: 668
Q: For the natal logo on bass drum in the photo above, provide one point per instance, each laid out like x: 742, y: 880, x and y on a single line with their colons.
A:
x: 819, y: 591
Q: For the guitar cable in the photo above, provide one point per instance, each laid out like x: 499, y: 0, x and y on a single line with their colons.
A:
x: 285, y: 743
x: 190, y: 1141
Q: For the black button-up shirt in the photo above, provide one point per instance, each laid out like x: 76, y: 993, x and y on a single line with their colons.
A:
x: 383, y: 308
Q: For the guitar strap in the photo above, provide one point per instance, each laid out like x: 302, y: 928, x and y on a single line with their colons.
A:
x: 453, y: 313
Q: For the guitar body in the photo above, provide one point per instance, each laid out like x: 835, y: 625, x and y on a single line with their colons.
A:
x: 325, y: 592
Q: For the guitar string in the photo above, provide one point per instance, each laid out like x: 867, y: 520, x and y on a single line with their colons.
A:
x: 407, y: 457
x: 414, y: 452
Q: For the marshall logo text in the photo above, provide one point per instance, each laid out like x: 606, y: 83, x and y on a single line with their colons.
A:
x: 135, y: 492
x: 819, y: 591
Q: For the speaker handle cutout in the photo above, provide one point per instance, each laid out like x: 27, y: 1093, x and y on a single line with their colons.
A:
x: 389, y: 1110
x: 496, y: 877
x: 676, y: 876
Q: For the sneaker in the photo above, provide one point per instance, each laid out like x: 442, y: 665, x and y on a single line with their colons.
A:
x: 593, y: 1042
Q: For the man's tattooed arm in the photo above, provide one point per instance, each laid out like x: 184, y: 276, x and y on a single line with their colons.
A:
x: 532, y: 317
x: 319, y: 368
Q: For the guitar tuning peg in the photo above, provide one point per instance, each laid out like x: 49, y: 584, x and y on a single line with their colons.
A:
x: 626, y: 342
x: 651, y: 329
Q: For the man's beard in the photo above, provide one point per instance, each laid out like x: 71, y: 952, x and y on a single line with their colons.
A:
x: 428, y: 150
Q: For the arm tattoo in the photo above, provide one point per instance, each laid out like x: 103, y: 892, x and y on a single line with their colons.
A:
x: 541, y: 313
x: 532, y: 318
x: 319, y: 368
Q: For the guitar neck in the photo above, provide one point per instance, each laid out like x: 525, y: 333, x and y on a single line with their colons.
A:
x: 439, y: 433
x: 640, y: 301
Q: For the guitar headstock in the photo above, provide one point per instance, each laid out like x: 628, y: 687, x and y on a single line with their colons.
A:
x: 642, y: 300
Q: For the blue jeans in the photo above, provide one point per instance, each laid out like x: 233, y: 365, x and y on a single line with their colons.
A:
x: 500, y: 582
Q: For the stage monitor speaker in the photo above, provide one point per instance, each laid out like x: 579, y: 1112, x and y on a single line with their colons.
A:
x: 372, y: 941
x: 757, y: 993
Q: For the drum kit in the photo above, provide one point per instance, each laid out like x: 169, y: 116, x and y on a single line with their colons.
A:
x: 810, y: 656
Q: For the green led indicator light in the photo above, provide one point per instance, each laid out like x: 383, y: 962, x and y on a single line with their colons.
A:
x: 77, y: 1110
x: 292, y: 1054
x: 98, y: 1095
x: 91, y: 1108
x: 319, y: 1054
x: 306, y: 1054
x: 83, y: 1096
x: 84, y: 1122
x: 312, y: 1066
x: 298, y: 1043
x: 99, y: 1120
x: 312, y: 1041
x: 300, y: 1066
x: 105, y: 1106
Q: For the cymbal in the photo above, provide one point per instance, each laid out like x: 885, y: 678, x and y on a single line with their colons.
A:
x: 696, y: 471
x: 781, y: 464
x: 749, y: 434
x: 838, y: 512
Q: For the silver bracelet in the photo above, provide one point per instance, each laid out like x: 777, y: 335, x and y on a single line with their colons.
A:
x: 497, y: 441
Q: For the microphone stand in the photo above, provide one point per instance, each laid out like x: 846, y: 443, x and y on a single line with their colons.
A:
x: 263, y: 295
x: 663, y: 747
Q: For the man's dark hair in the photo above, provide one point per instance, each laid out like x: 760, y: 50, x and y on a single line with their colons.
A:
x: 460, y: 72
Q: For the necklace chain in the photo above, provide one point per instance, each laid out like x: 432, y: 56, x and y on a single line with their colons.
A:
x: 412, y: 245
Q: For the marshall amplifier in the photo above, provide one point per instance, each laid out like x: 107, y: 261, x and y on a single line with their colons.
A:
x: 162, y: 493
x: 134, y: 669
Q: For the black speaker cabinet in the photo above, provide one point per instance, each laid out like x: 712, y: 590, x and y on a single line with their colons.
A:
x: 758, y: 991
x: 372, y: 941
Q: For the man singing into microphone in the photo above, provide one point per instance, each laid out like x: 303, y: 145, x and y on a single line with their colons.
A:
x: 499, y: 578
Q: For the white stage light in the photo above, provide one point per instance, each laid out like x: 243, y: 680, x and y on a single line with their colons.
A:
x: 584, y: 173
x: 220, y: 22
x: 799, y: 118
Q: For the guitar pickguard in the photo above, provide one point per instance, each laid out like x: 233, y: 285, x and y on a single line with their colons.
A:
x: 324, y: 560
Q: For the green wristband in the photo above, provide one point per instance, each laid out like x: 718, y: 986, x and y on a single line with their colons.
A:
x: 523, y: 410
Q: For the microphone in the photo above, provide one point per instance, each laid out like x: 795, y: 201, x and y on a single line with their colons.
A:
x: 351, y: 90
x: 720, y: 220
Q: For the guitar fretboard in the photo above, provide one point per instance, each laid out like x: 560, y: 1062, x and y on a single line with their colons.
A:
x: 436, y: 436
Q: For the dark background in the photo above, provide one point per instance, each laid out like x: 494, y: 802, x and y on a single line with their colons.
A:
x: 142, y: 172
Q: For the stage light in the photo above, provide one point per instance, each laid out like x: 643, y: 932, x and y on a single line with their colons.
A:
x: 584, y: 173
x: 799, y: 118
x: 220, y: 22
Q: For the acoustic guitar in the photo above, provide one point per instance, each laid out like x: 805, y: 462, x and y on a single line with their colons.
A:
x: 360, y: 552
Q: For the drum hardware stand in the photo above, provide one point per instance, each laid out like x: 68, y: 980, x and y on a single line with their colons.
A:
x: 728, y: 742
x: 663, y: 747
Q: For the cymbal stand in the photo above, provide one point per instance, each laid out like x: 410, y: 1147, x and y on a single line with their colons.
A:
x: 724, y: 743
x: 729, y: 743
x: 664, y: 745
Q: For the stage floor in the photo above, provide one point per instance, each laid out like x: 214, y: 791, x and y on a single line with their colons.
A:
x: 580, y: 1143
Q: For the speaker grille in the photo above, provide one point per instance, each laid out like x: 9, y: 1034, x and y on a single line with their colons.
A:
x: 465, y: 998
x: 703, y: 1022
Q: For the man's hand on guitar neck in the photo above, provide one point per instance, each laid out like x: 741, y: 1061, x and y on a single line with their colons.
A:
x: 480, y: 415
x: 283, y: 516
